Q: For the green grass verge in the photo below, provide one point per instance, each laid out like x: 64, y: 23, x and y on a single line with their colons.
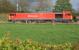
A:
x: 45, y: 33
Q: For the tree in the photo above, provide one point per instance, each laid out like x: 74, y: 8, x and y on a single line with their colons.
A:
x: 23, y: 5
x: 6, y: 6
x: 30, y: 5
x: 43, y: 5
x: 62, y: 5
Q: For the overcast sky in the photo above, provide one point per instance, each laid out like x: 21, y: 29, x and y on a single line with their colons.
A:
x: 75, y: 4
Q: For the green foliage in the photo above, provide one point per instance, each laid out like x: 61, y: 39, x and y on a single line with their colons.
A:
x: 62, y: 5
x: 75, y: 14
x: 6, y: 43
x: 6, y: 6
x: 40, y: 5
x: 74, y: 19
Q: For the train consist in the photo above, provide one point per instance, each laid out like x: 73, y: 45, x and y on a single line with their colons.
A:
x: 64, y: 16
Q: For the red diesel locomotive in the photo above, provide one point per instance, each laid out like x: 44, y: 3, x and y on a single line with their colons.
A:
x: 64, y: 16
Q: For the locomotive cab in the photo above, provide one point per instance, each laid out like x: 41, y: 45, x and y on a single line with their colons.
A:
x: 58, y: 17
x: 11, y: 16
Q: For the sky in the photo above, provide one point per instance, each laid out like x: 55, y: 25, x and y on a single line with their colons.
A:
x: 75, y: 3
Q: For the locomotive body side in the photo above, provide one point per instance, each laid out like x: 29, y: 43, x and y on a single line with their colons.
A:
x: 31, y: 16
x: 64, y: 16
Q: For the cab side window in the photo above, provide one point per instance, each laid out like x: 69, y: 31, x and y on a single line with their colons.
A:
x: 68, y: 14
x: 12, y: 14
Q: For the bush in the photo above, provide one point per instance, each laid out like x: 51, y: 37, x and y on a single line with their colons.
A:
x: 6, y: 43
x: 74, y: 19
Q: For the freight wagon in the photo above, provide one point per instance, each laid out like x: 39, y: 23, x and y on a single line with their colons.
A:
x: 64, y: 16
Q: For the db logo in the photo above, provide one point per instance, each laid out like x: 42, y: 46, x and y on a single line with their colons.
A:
x: 32, y: 16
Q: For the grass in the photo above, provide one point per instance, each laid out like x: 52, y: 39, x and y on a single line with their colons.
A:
x: 45, y: 33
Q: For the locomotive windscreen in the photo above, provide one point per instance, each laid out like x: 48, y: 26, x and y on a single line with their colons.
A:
x: 58, y: 17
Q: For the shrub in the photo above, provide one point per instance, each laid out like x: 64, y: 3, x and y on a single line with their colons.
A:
x: 6, y: 43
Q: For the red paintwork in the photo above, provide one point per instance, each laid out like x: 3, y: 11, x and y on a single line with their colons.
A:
x: 26, y: 16
x: 67, y: 15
